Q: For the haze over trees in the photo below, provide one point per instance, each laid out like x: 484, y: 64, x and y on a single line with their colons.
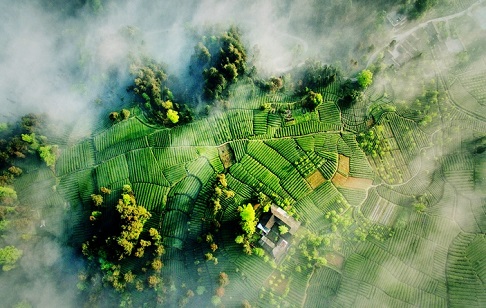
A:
x: 373, y: 146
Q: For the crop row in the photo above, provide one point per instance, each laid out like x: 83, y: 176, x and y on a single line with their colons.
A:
x: 220, y: 128
x: 329, y: 113
x: 239, y: 187
x: 323, y: 285
x: 260, y: 122
x: 370, y: 202
x: 325, y: 197
x: 241, y: 123
x: 305, y: 128
x: 310, y: 213
x: 353, y: 196
x: 269, y: 158
x: 174, y: 224
x: 326, y: 142
x: 120, y: 132
x: 182, y: 203
x: 175, y: 173
x: 306, y: 143
x: 212, y: 154
x: 407, y: 134
x: 121, y: 148
x: 111, y: 171
x: 77, y: 157
x: 151, y: 196
x: 465, y: 286
x: 201, y: 169
x: 189, y: 186
x: 167, y: 157
x: 202, y: 132
x: 143, y: 167
x: 261, y: 173
x: 239, y: 148
x: 358, y: 163
x: 287, y: 147
x: 160, y: 138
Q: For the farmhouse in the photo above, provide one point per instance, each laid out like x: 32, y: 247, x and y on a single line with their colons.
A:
x: 275, y: 243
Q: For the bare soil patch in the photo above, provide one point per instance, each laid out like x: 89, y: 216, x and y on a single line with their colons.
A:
x: 343, y: 165
x: 339, y: 180
x: 358, y: 183
x: 334, y: 259
x: 316, y: 179
x: 226, y: 155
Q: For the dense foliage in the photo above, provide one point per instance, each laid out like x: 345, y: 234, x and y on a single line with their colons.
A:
x: 151, y: 85
x: 123, y: 237
x: 221, y: 59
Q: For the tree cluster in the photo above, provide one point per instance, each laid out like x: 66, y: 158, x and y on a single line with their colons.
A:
x: 248, y: 224
x: 150, y: 84
x: 24, y: 139
x: 221, y: 190
x: 418, y: 8
x: 123, y: 238
x: 373, y: 142
x: 312, y: 248
x: 221, y: 60
x: 425, y: 108
x: 314, y: 75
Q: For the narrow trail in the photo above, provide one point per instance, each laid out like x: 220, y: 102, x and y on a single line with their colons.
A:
x: 402, y: 36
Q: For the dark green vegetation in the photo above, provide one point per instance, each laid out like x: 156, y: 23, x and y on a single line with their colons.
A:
x: 165, y: 201
x: 220, y: 59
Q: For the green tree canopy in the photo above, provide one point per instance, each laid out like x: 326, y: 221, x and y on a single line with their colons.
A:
x: 365, y: 78
x: 173, y: 116
x: 313, y: 100
x: 9, y: 256
x: 247, y: 214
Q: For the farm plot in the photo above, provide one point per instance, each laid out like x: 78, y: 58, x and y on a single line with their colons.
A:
x: 151, y: 196
x: 174, y: 225
x: 240, y: 123
x: 287, y: 147
x: 168, y: 157
x: 121, y: 148
x: 112, y: 171
x: 79, y: 156
x: 380, y: 210
x: 160, y: 138
x: 143, y: 167
x: 120, y: 132
x: 260, y: 121
x: 239, y: 148
x: 329, y: 113
x: 323, y: 286
x: 466, y: 271
x: 189, y: 186
x: 202, y: 133
x: 200, y: 168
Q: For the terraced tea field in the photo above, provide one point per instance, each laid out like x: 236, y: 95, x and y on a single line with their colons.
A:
x: 404, y: 227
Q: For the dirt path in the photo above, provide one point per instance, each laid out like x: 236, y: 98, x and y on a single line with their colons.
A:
x: 402, y: 36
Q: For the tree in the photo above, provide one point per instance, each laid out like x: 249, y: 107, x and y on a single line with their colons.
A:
x: 223, y: 279
x: 312, y: 100
x: 7, y: 194
x: 125, y: 114
x: 114, y: 116
x: 97, y: 199
x: 46, y: 153
x: 365, y: 78
x: 283, y: 229
x: 9, y: 256
x: 247, y: 214
x: 173, y: 116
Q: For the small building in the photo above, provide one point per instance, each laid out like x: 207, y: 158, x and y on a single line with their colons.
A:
x: 272, y: 241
